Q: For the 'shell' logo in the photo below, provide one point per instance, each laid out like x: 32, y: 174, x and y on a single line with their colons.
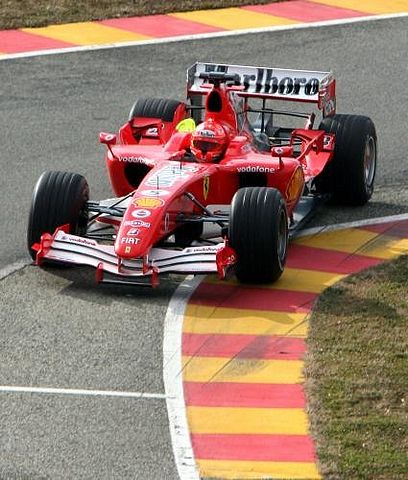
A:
x: 145, y: 202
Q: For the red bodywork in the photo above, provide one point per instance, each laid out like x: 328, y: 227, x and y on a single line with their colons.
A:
x: 161, y: 186
x: 150, y: 159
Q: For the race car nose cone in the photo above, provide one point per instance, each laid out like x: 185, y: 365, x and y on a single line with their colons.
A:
x: 127, y: 247
x: 138, y: 226
x: 130, y: 238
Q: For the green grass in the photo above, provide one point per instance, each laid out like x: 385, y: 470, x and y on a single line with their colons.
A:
x: 357, y: 375
x: 39, y: 13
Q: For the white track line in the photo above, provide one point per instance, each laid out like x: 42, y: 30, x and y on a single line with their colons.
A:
x: 204, y: 36
x: 173, y: 380
x: 77, y: 392
x: 356, y: 224
x: 13, y: 267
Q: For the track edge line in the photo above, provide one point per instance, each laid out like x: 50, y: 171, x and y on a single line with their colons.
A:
x: 354, y: 224
x: 173, y: 380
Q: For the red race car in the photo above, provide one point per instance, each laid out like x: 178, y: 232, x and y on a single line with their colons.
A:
x: 211, y: 184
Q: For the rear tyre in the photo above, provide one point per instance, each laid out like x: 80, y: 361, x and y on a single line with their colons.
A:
x: 349, y: 177
x: 59, y: 198
x: 162, y: 108
x: 258, y: 232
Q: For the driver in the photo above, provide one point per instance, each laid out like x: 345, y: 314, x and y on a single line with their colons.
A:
x: 209, y: 142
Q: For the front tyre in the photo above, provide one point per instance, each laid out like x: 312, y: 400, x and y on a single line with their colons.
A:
x: 59, y: 198
x: 349, y: 177
x: 258, y: 232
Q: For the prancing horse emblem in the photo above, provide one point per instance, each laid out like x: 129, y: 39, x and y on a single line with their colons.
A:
x: 206, y: 186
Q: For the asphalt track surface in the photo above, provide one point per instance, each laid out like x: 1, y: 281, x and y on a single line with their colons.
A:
x: 57, y: 328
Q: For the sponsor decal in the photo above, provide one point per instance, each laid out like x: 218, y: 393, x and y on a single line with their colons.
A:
x: 132, y: 159
x: 148, y: 202
x: 141, y: 213
x: 327, y: 99
x: 295, y: 185
x: 206, y: 186
x: 272, y: 81
x: 136, y: 223
x: 171, y: 174
x: 133, y: 231
x: 255, y: 169
x: 207, y: 133
x: 328, y: 142
x: 155, y: 193
x: 79, y: 241
x: 130, y: 240
x: 209, y: 249
x: 152, y: 131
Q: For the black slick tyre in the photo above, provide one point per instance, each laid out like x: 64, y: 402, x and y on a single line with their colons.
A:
x: 349, y: 177
x: 162, y: 108
x: 258, y: 232
x: 59, y: 198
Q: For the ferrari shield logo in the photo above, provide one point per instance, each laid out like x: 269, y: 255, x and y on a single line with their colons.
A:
x: 206, y: 186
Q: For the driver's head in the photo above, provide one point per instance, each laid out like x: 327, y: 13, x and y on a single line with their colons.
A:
x: 209, y: 141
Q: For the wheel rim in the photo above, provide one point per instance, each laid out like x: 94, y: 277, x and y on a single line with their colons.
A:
x: 282, y: 239
x: 370, y: 158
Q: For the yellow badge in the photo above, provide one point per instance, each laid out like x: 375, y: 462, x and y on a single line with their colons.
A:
x: 295, y: 185
x: 186, y: 126
x: 128, y: 249
x: 145, y: 202
x: 206, y: 186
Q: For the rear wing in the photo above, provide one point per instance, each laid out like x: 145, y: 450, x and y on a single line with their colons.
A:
x: 274, y: 83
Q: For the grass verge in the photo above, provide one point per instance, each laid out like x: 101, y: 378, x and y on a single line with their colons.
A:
x: 39, y: 13
x: 357, y: 375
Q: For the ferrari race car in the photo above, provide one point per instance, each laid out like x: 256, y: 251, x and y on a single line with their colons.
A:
x: 213, y: 184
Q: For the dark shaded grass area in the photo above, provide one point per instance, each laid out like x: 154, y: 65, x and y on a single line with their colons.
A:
x: 39, y: 13
x: 357, y: 375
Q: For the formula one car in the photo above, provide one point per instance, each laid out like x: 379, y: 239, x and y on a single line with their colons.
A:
x: 213, y: 184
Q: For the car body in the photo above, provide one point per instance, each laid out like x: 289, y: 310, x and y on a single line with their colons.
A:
x: 172, y: 213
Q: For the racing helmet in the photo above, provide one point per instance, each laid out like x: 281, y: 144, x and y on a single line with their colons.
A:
x: 209, y: 141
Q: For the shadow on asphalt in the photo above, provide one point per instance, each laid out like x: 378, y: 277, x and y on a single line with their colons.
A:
x: 82, y: 284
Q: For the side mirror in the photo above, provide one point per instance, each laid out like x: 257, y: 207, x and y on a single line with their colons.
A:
x: 107, y: 138
x: 282, y: 152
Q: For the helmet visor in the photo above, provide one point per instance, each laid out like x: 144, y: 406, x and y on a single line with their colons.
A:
x: 205, y: 146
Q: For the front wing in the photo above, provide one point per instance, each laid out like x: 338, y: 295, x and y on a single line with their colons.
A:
x: 65, y: 248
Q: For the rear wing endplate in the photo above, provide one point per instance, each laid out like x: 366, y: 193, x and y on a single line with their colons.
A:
x: 263, y: 82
